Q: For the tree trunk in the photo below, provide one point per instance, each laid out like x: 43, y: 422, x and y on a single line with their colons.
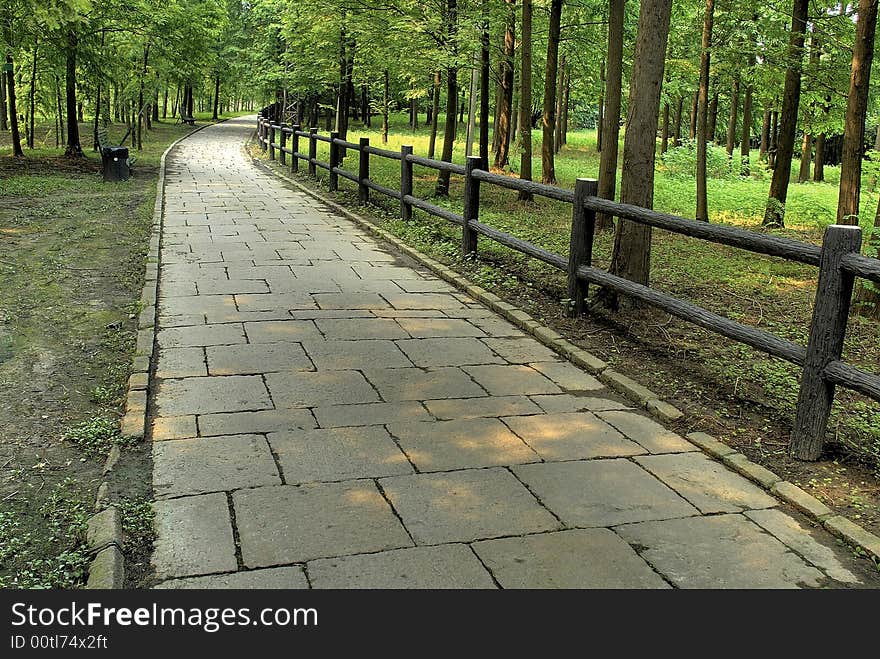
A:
x: 565, y: 104
x: 365, y: 106
x: 600, y: 120
x: 525, y: 100
x: 13, y: 110
x: 59, y: 110
x: 472, y: 107
x: 548, y: 171
x: 664, y: 130
x: 765, y: 135
x: 856, y: 108
x: 560, y: 93
x: 33, y: 98
x: 442, y: 188
x: 214, y: 114
x: 867, y: 296
x: 775, y: 213
x: 165, y: 103
x: 877, y: 139
x: 342, y: 99
x: 140, y: 102
x: 4, y: 116
x: 774, y: 137
x: 631, y: 257
x: 611, y: 125
x: 435, y: 111
x: 746, y: 141
x: 713, y: 118
x: 731, y: 122
x: 693, y: 123
x: 676, y: 128
x: 484, y: 81
x: 73, y: 150
x: 806, y: 154
x: 385, y: 103
x: 702, y: 118
x: 819, y: 165
x: 505, y: 87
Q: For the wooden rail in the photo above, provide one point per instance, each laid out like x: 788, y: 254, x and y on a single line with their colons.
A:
x: 838, y: 260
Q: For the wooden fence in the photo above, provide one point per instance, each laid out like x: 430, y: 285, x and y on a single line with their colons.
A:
x: 838, y: 259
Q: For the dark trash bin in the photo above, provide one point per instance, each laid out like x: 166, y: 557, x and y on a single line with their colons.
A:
x: 115, y: 163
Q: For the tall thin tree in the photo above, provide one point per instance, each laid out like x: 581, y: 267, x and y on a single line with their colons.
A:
x: 703, y: 111
x: 548, y: 119
x: 611, y: 119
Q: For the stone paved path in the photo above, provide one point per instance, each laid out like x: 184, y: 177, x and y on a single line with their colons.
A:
x: 329, y: 415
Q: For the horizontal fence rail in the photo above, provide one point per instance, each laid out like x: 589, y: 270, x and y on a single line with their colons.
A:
x: 838, y: 259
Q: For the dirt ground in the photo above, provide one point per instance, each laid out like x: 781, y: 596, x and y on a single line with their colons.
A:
x: 71, y: 264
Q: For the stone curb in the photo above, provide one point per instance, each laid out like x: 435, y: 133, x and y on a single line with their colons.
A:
x: 840, y: 526
x: 104, y: 529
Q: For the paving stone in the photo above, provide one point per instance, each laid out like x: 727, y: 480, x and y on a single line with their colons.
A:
x: 578, y: 558
x: 337, y: 454
x: 350, y: 301
x: 235, y: 316
x: 710, y: 444
x: 647, y: 432
x: 277, y: 578
x: 463, y: 506
x: 751, y: 470
x: 193, y: 536
x: 200, y: 335
x: 448, y: 352
x: 181, y: 363
x: 274, y: 302
x: 352, y: 355
x: 257, y: 358
x: 722, y: 551
x: 306, y: 389
x: 470, y: 408
x: 424, y: 286
x: 174, y: 427
x: 274, y: 331
x: 234, y: 393
x: 627, y: 386
x: 444, y: 566
x: 423, y: 301
x: 571, y: 436
x: 254, y: 422
x: 196, y: 466
x: 286, y: 524
x: 511, y: 380
x: 461, y: 444
x: 708, y: 485
x: 361, y: 328
x: 572, y: 403
x: 569, y: 377
x: 425, y: 328
x: 231, y: 286
x: 397, y: 384
x: 183, y: 320
x: 803, y: 541
x: 497, y: 327
x: 369, y: 414
x: 589, y: 492
x: 521, y: 351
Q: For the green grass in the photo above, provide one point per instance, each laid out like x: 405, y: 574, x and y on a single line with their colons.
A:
x: 770, y: 293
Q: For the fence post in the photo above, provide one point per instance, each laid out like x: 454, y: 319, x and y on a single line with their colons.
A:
x: 334, y: 161
x: 313, y: 152
x: 363, y: 171
x: 580, y: 248
x: 471, y: 205
x: 406, y: 181
x: 282, y: 157
x: 294, y: 147
x: 827, y: 330
x: 271, y: 141
x: 262, y: 132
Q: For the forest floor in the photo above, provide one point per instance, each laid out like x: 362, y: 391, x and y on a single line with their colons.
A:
x: 72, y: 252
x: 731, y: 391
